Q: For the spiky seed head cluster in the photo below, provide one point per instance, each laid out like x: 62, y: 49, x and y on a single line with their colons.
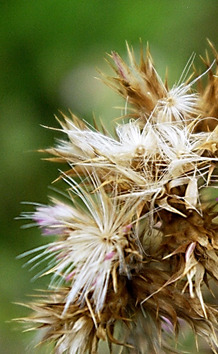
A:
x: 134, y: 243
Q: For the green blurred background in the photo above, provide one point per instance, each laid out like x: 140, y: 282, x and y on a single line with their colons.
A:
x: 49, y: 51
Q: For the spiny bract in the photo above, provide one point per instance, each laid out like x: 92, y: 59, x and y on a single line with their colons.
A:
x: 135, y: 242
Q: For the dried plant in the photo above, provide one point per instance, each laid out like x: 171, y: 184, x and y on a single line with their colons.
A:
x: 135, y: 244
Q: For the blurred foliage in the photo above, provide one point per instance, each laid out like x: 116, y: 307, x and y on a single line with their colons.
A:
x: 49, y: 51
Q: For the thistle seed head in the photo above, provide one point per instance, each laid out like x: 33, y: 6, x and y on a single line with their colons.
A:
x: 136, y: 245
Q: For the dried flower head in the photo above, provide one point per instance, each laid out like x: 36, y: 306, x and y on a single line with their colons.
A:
x: 135, y: 243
